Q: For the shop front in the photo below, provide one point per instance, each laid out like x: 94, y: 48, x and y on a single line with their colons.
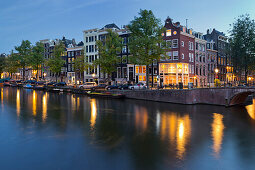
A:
x: 174, y: 73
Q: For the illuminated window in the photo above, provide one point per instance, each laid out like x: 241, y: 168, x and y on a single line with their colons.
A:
x: 140, y: 78
x: 136, y: 69
x: 140, y: 69
x: 144, y: 78
x: 168, y: 33
x: 144, y: 69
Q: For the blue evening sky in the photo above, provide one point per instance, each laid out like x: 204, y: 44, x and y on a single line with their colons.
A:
x: 49, y: 19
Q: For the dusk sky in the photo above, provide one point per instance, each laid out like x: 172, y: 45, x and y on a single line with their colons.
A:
x: 49, y: 19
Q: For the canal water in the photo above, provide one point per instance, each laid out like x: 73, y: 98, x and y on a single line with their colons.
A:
x: 40, y: 130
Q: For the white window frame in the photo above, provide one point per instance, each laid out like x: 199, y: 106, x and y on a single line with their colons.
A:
x: 182, y: 56
x: 175, y: 43
x: 175, y: 54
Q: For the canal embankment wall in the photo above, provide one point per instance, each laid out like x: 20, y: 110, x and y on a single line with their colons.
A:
x: 211, y: 96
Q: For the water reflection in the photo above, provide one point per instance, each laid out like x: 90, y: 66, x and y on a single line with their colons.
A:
x: 2, y: 96
x: 34, y: 102
x: 141, y: 118
x: 217, y: 133
x: 251, y: 110
x: 18, y: 102
x: 177, y: 129
x: 44, y: 106
x: 184, y: 132
x: 93, y: 115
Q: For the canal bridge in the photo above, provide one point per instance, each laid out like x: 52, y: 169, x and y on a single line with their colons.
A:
x: 213, y: 96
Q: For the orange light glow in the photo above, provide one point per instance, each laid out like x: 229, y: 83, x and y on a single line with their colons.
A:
x: 34, y: 102
x: 251, y: 110
x: 44, y: 107
x: 18, y: 102
x: 93, y: 115
x: 217, y: 133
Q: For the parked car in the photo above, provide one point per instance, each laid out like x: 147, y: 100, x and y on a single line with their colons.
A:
x: 60, y: 84
x: 124, y: 86
x: 88, y: 85
x: 99, y: 87
x: 110, y: 87
x: 137, y: 86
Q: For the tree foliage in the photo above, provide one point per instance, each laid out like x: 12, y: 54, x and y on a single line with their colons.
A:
x: 2, y: 64
x: 12, y: 63
x: 108, y: 48
x: 146, y: 42
x: 242, y: 44
x: 24, y: 55
x: 79, y: 64
x: 37, y: 58
x: 56, y: 62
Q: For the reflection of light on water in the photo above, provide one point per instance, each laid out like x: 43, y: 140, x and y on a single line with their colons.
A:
x: 183, y: 134
x: 177, y: 130
x: 34, y: 102
x: 93, y: 116
x: 18, y: 102
x: 78, y: 103
x: 217, y: 133
x: 73, y: 102
x: 141, y: 118
x: 44, y: 107
x: 251, y: 110
x: 2, y: 96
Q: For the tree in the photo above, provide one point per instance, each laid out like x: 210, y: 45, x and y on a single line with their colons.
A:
x: 24, y: 55
x: 2, y: 64
x: 56, y: 62
x: 242, y: 45
x: 79, y: 64
x: 37, y: 58
x: 146, y: 43
x: 108, y: 48
x: 12, y: 63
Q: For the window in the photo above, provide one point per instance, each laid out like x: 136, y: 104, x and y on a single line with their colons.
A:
x: 87, y: 49
x: 95, y: 38
x: 168, y: 32
x: 95, y: 57
x: 124, y: 49
x: 191, y: 47
x: 169, y: 56
x: 182, y: 43
x: 87, y: 58
x: 192, y: 57
x: 168, y: 43
x: 175, y: 43
x: 182, y: 56
x: 144, y: 69
x: 175, y: 55
x: 87, y: 39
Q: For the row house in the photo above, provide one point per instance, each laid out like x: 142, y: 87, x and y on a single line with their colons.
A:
x: 223, y: 59
x: 211, y: 54
x: 201, y: 67
x: 49, y: 46
x: 179, y: 65
x: 73, y: 76
x: 90, y: 38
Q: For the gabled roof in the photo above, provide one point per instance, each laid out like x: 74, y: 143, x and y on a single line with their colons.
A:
x: 110, y: 26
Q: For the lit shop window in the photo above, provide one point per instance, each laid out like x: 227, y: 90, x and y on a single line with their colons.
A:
x: 140, y: 78
x: 168, y: 33
x: 144, y: 78
x: 144, y: 69
x: 136, y: 69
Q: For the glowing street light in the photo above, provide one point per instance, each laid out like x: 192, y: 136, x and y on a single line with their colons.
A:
x: 216, y: 71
